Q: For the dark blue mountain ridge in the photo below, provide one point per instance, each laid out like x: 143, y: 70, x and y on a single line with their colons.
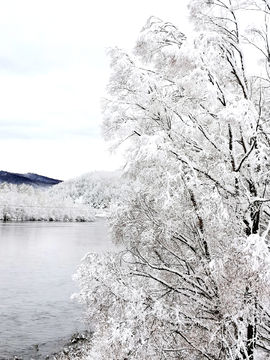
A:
x: 34, y: 180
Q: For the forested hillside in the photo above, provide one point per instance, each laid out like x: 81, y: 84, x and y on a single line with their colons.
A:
x: 78, y: 199
x: 27, y: 179
x: 97, y: 189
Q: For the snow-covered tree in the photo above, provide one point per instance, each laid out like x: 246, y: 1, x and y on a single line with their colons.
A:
x: 98, y: 188
x: 194, y: 277
x: 24, y: 202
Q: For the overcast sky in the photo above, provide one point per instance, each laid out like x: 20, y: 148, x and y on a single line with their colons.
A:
x: 54, y: 71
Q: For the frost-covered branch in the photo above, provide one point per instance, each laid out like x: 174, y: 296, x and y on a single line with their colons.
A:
x: 193, y: 279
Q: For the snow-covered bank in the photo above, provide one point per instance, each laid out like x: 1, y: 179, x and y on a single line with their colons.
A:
x: 24, y: 203
x: 46, y: 213
x: 73, y: 347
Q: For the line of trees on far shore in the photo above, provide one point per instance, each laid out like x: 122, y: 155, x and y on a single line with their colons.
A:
x: 78, y: 199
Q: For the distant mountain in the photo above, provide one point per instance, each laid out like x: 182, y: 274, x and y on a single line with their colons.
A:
x: 34, y: 180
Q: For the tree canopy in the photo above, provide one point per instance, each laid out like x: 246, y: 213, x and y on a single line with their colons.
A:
x: 193, y: 279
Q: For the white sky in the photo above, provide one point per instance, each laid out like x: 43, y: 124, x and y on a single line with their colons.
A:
x: 53, y: 72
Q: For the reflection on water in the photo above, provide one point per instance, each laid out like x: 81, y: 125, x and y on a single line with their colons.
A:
x: 37, y: 261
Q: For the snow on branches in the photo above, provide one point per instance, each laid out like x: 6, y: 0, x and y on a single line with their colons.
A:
x: 193, y: 279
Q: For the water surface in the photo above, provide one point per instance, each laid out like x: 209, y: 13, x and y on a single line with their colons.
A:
x: 37, y: 261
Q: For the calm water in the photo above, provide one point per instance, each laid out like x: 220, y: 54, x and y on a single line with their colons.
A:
x: 37, y: 261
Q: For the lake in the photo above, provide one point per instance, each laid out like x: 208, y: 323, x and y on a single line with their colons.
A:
x: 37, y: 261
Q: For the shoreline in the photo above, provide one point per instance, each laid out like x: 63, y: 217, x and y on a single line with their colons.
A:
x: 70, y: 347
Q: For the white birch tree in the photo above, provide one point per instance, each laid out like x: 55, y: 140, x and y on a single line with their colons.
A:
x: 193, y: 279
